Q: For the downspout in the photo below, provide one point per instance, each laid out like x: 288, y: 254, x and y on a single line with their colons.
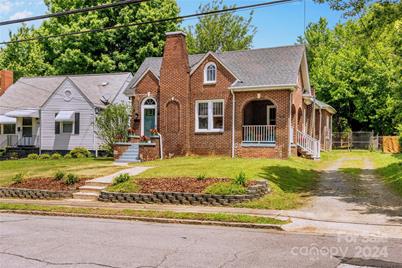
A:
x: 160, y: 145
x: 233, y: 122
x: 319, y: 131
x: 290, y: 124
x: 94, y: 136
x: 40, y: 131
x: 313, y: 118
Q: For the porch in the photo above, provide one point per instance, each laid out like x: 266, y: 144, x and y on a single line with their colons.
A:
x: 259, y: 124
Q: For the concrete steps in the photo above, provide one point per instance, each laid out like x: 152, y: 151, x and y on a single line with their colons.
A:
x: 86, y: 196
x: 131, y: 155
x: 91, y: 190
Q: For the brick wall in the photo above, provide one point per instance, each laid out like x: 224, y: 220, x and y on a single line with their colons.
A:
x: 6, y: 80
x: 119, y: 149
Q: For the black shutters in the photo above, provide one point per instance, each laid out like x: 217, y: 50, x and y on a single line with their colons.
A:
x: 56, y: 126
x: 77, y: 123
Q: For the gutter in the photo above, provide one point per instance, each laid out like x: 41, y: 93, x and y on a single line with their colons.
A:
x: 264, y: 87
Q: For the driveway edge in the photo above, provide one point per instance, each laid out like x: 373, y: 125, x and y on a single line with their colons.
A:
x: 148, y: 219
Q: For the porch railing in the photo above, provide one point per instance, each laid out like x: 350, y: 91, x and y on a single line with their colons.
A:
x: 8, y: 140
x: 28, y: 141
x: 308, y: 144
x: 259, y: 134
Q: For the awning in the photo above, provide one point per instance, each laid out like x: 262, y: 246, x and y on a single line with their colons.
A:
x: 24, y: 113
x: 7, y: 120
x: 65, y: 116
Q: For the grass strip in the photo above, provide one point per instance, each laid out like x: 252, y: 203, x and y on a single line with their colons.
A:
x: 218, y: 217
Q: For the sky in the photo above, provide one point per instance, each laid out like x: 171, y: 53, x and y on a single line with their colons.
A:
x: 277, y: 25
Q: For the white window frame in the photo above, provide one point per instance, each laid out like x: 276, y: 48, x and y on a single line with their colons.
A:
x: 2, y: 129
x: 146, y: 106
x: 210, y: 116
x: 268, y: 114
x: 62, y: 128
x: 206, y: 81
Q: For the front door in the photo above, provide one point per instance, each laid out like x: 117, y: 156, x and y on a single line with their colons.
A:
x: 149, y: 121
x: 26, y: 131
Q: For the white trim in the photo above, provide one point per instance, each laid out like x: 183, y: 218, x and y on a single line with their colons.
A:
x: 143, y: 107
x: 304, y: 120
x: 206, y: 81
x: 268, y: 114
x: 195, y: 67
x: 264, y: 87
x: 210, y: 116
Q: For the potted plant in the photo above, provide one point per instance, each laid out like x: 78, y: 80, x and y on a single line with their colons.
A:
x: 154, y: 131
x: 145, y: 139
x: 131, y: 132
x: 119, y: 137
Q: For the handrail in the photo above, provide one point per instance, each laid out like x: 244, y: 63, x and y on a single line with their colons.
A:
x: 308, y: 143
x: 259, y: 133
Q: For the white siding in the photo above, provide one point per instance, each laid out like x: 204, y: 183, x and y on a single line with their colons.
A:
x: 57, y: 102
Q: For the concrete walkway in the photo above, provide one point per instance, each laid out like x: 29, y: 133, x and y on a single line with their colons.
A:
x: 131, y: 171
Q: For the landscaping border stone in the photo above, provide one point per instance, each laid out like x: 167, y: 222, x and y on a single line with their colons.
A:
x: 34, y: 193
x: 253, y: 192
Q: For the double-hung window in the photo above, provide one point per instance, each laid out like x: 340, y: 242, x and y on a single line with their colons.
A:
x: 209, y: 116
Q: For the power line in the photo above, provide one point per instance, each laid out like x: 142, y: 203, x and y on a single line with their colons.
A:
x: 74, y: 11
x: 212, y: 12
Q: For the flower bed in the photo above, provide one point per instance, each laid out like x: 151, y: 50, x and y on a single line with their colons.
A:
x: 41, y: 188
x: 255, y: 189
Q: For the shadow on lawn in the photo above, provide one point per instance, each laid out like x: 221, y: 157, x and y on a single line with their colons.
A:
x: 291, y: 180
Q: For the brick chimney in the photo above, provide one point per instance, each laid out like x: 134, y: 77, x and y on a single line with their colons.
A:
x: 174, y: 85
x: 6, y: 80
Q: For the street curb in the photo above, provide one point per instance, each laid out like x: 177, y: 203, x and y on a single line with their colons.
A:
x: 147, y: 219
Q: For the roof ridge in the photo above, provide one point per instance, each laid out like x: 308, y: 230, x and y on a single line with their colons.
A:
x: 72, y: 75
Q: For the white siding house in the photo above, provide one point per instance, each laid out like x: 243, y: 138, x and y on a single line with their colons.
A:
x: 57, y: 113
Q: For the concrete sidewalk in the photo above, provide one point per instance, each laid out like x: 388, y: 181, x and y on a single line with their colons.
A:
x: 301, y: 222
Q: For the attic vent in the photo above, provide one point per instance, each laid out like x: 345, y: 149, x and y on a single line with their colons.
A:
x: 105, y: 84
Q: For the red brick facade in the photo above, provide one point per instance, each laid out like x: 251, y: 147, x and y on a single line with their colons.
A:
x: 6, y: 80
x: 177, y: 90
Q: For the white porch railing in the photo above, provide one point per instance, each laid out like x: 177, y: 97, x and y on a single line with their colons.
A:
x: 259, y: 134
x: 308, y: 144
x: 12, y: 140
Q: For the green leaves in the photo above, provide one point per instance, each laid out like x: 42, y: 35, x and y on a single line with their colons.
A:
x: 356, y: 68
x: 224, y: 32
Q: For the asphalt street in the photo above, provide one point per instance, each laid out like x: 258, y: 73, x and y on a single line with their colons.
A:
x: 39, y: 241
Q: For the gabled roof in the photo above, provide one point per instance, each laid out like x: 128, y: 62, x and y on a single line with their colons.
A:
x: 32, y: 92
x: 270, y: 67
x: 322, y: 105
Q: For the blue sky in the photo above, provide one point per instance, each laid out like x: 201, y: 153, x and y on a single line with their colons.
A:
x: 276, y: 25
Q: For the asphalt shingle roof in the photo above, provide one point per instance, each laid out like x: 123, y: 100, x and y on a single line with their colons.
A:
x: 32, y: 92
x: 255, y: 67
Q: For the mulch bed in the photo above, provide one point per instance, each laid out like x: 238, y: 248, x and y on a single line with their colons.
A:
x: 183, y: 184
x: 48, y: 184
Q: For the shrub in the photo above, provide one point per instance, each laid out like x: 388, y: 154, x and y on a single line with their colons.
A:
x: 58, y: 176
x: 240, y: 179
x: 14, y: 156
x: 18, y: 178
x: 71, y: 179
x: 121, y: 178
x: 201, y: 176
x: 225, y: 188
x: 68, y: 156
x: 2, y: 153
x: 33, y: 156
x: 44, y: 156
x: 78, y: 151
x: 56, y: 156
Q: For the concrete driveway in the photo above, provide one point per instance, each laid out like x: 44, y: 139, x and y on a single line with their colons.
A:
x: 39, y: 241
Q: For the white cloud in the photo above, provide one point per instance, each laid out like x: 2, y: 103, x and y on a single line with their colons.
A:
x: 5, y: 6
x: 21, y: 15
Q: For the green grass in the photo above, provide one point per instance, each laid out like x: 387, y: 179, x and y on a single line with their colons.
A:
x: 389, y: 167
x: 290, y: 180
x: 85, y: 167
x: 225, y: 188
x: 125, y: 187
x: 220, y: 217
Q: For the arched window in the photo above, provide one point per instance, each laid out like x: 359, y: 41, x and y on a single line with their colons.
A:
x: 210, y: 73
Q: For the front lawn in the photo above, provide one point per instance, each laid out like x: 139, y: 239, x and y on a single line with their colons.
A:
x: 389, y: 167
x: 290, y: 180
x: 83, y: 167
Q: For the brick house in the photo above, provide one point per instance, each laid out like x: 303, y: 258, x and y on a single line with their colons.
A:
x: 253, y: 103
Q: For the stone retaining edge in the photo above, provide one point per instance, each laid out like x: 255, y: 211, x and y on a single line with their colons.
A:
x: 34, y: 193
x: 253, y: 192
x: 148, y: 219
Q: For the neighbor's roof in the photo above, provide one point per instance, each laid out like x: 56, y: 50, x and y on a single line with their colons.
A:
x: 323, y: 105
x: 32, y: 92
x: 276, y: 66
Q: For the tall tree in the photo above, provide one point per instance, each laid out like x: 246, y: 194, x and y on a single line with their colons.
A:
x: 356, y: 68
x: 352, y: 7
x: 25, y: 59
x: 224, y: 32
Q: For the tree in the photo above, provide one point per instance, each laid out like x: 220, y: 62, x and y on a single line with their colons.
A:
x: 224, y: 32
x: 112, y: 124
x: 25, y: 59
x: 100, y: 52
x: 352, y: 8
x: 356, y: 68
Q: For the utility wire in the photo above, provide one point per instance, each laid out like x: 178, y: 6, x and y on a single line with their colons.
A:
x: 212, y: 12
x: 74, y: 11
